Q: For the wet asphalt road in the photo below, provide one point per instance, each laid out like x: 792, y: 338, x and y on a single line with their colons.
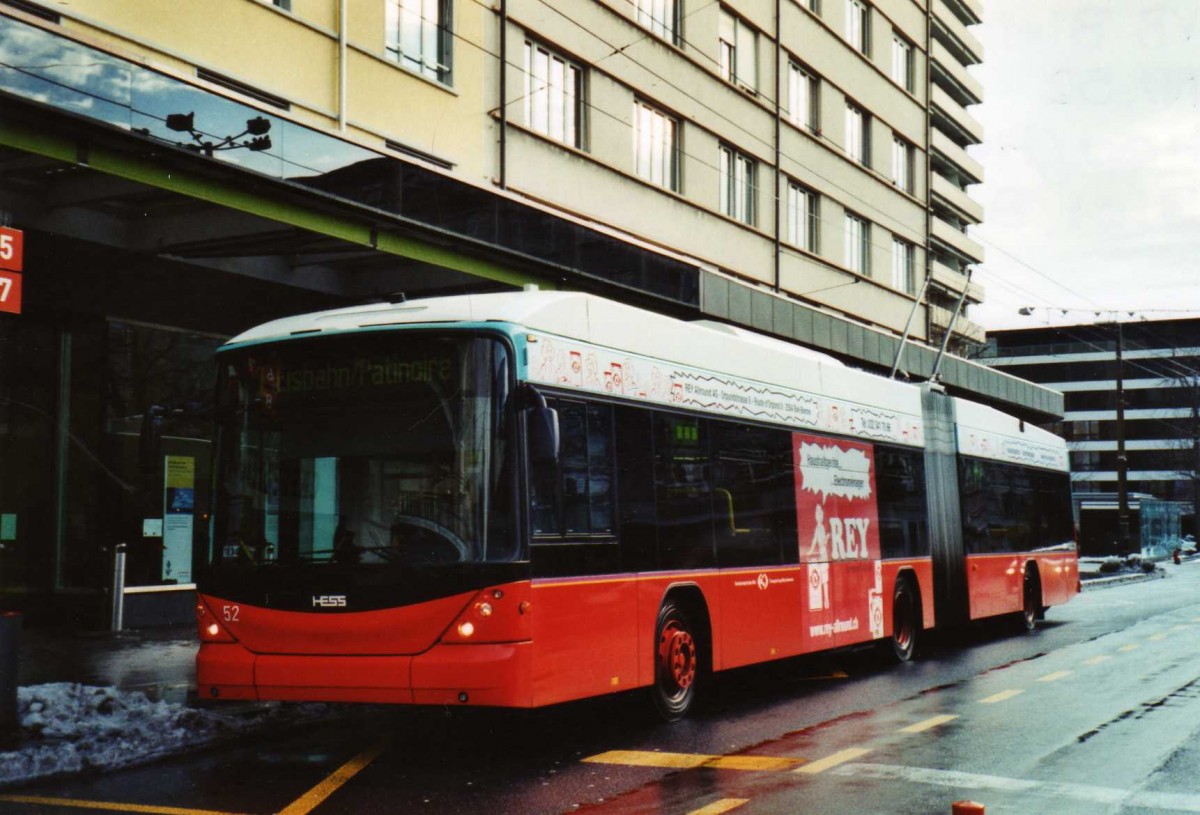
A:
x: 1096, y: 712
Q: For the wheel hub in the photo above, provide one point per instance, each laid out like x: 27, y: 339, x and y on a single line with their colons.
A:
x: 677, y: 655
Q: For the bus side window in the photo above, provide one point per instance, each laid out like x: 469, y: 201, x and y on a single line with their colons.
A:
x: 638, y: 516
x: 575, y: 498
x: 900, y: 481
x: 753, y: 493
x: 683, y: 492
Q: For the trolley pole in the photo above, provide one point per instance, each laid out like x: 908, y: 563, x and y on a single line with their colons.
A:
x: 118, y: 589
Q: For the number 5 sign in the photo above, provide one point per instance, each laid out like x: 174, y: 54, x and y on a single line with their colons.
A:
x: 12, y: 251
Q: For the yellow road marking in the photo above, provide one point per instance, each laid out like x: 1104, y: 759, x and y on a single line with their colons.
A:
x: 1182, y: 627
x: 1002, y: 696
x: 1054, y: 677
x: 928, y: 724
x: 719, y: 807
x: 833, y: 675
x: 332, y: 783
x: 687, y: 761
x: 1096, y: 660
x: 112, y: 806
x: 644, y: 758
x: 840, y: 757
x: 765, y: 763
x: 1133, y: 646
x: 1159, y: 637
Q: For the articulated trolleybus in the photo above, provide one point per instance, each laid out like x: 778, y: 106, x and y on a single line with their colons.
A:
x: 526, y: 498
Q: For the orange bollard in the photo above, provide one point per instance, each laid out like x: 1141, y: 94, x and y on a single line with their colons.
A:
x: 966, y: 808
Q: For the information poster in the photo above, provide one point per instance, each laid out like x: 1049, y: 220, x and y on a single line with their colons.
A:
x: 179, y: 500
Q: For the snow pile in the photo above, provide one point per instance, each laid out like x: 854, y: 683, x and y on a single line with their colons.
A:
x: 67, y: 728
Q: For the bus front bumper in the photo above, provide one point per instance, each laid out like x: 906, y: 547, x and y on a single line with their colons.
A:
x: 490, y: 674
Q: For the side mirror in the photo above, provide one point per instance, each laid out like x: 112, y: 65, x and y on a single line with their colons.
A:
x: 541, y: 423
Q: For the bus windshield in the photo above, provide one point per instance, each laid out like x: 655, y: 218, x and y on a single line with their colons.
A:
x: 390, y: 447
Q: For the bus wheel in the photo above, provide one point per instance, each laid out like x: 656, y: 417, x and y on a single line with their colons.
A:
x: 676, y: 663
x: 905, y: 621
x: 1032, y: 603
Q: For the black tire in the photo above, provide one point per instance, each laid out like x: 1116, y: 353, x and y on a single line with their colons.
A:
x: 906, y: 620
x: 676, y: 662
x: 1031, y: 603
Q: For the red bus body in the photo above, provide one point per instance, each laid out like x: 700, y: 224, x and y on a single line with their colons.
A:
x: 840, y: 544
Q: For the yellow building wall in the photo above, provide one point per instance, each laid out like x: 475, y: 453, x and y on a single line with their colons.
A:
x: 295, y: 55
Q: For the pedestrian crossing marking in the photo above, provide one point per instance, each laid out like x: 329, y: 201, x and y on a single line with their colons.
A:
x: 1054, y: 677
x: 928, y: 724
x: 720, y: 807
x: 689, y: 761
x: 1002, y: 696
x: 840, y: 757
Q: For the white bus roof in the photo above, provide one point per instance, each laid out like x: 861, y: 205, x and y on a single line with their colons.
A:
x: 704, y: 345
x: 573, y: 315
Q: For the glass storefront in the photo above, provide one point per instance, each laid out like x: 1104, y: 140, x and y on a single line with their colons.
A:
x: 28, y: 395
x: 105, y: 435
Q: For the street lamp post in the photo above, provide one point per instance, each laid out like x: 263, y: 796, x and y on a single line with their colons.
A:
x: 1122, y: 462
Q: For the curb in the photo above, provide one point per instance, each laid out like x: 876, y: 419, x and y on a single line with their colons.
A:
x: 1109, y: 582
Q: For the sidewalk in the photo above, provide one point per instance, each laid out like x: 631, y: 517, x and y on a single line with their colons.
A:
x: 159, y: 662
x: 92, y: 702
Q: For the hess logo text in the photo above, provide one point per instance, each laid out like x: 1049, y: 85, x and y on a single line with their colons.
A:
x: 329, y: 601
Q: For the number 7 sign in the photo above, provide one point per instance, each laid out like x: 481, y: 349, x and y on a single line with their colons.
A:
x: 10, y: 292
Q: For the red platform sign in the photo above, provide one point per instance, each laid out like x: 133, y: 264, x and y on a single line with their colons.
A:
x: 12, y: 249
x: 10, y: 292
x: 12, y: 261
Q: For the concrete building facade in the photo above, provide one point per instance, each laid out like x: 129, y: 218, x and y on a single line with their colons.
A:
x: 176, y: 175
x: 1134, y: 385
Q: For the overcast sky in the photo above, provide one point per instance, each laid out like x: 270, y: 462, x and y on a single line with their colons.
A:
x: 1091, y: 157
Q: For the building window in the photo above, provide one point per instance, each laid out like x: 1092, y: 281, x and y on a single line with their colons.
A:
x: 738, y: 189
x: 655, y: 146
x: 902, y: 164
x: 814, y: 6
x: 419, y: 36
x: 902, y: 266
x: 858, y: 135
x: 858, y: 26
x: 553, y: 95
x: 858, y: 245
x: 902, y: 62
x: 802, y: 217
x: 739, y: 51
x: 661, y: 17
x: 802, y: 97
